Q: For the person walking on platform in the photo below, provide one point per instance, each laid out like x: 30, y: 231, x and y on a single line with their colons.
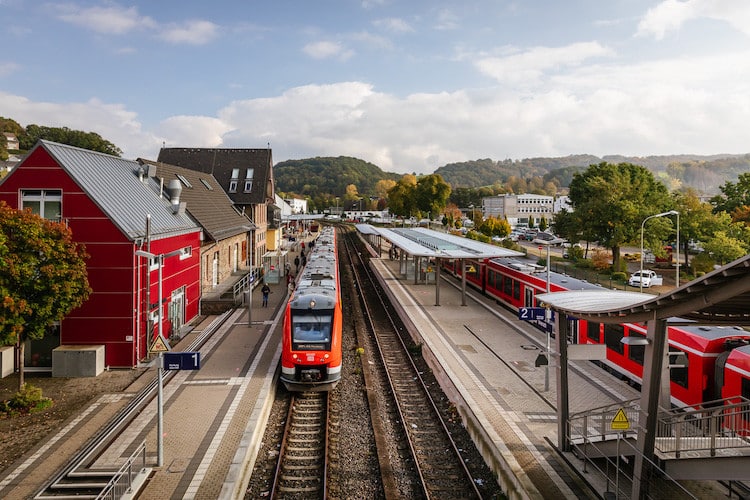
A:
x: 296, y: 264
x: 265, y: 291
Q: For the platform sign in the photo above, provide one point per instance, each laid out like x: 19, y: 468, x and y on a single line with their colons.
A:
x: 620, y: 421
x: 182, y: 360
x: 534, y: 313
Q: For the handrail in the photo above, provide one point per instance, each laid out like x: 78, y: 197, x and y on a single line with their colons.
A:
x: 122, y: 482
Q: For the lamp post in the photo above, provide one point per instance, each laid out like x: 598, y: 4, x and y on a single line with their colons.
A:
x: 643, y: 225
x: 160, y: 371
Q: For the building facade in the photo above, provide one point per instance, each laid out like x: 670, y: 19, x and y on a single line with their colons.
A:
x: 518, y: 209
x: 143, y: 247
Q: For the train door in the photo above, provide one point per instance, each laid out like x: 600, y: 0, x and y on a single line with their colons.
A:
x: 528, y: 299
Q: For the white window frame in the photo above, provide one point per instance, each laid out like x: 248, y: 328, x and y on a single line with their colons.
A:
x: 44, y: 196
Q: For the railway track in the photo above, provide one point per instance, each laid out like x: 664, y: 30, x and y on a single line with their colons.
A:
x: 439, y: 468
x: 302, y: 465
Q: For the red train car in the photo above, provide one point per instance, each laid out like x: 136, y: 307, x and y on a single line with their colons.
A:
x: 736, y: 389
x: 696, y: 352
x: 311, y: 339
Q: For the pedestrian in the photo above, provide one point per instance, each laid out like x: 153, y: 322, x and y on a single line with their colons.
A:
x: 296, y: 264
x: 287, y: 268
x: 265, y: 291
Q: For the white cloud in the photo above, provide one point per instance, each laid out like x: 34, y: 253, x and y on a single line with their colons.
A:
x: 112, y: 121
x: 194, y: 32
x: 114, y: 19
x: 670, y: 15
x: 193, y: 131
x: 656, y: 107
x: 326, y: 49
x: 394, y: 25
x: 110, y: 19
x: 527, y: 67
x: 446, y: 20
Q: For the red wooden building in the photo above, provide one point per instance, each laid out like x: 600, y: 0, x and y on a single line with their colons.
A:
x: 107, y: 201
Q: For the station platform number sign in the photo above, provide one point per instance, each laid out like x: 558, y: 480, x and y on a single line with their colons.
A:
x: 535, y: 314
x: 182, y: 360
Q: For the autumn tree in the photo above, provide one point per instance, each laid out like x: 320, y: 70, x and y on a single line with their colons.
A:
x: 613, y: 200
x: 432, y: 194
x: 401, y: 196
x: 42, y: 277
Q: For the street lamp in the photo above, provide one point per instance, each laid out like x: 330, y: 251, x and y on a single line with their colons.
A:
x: 160, y: 372
x: 643, y: 225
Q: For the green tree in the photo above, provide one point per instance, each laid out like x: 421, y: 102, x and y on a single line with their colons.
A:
x: 725, y: 248
x: 401, y: 197
x: 613, y: 200
x: 734, y: 195
x: 42, y: 276
x: 85, y: 140
x: 431, y: 194
x: 697, y: 220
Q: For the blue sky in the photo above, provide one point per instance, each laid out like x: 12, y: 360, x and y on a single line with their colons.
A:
x: 409, y: 85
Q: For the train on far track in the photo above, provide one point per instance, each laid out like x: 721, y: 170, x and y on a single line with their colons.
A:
x: 311, y: 339
x: 707, y: 363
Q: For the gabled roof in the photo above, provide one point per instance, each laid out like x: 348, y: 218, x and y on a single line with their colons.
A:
x: 204, y: 199
x: 220, y: 162
x: 113, y: 185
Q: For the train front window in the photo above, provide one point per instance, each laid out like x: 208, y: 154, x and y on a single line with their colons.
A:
x: 311, y: 329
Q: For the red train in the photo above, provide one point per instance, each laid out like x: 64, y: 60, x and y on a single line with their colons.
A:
x: 707, y: 362
x: 311, y: 339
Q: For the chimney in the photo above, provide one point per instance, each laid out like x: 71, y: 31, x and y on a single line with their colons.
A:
x: 174, y: 189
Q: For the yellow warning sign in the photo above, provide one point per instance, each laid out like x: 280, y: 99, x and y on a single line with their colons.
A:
x: 159, y: 345
x: 620, y: 421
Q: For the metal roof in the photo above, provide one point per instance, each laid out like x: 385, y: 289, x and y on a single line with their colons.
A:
x: 113, y: 185
x: 719, y: 297
x: 422, y: 242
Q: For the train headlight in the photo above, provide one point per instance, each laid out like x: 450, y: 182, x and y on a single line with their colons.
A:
x: 312, y: 303
x: 325, y: 357
x: 294, y: 356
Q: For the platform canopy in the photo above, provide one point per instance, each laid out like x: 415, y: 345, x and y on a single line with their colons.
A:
x: 423, y: 242
x: 719, y: 297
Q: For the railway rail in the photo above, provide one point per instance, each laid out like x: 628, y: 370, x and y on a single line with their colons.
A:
x: 302, y: 466
x: 439, y: 467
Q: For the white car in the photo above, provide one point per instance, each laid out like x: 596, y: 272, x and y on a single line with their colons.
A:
x: 647, y: 277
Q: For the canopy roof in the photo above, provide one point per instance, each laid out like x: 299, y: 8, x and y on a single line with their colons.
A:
x: 423, y: 242
x: 719, y: 297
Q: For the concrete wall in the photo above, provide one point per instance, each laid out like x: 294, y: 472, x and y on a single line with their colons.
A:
x: 6, y: 360
x: 78, y: 361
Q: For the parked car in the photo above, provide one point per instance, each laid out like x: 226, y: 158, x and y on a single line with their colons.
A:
x: 647, y: 277
x: 543, y: 238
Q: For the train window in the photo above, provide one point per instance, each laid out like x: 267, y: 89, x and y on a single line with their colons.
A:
x: 311, y: 328
x: 637, y: 352
x: 678, y: 373
x: 507, y: 286
x: 516, y: 289
x: 613, y: 334
x: 593, y: 331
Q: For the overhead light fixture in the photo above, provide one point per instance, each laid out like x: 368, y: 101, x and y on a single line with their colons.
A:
x: 635, y: 341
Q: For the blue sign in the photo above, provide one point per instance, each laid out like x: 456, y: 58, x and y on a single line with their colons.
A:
x: 534, y: 313
x: 182, y: 360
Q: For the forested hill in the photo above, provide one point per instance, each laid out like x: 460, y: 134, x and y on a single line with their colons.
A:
x: 313, y: 176
x: 704, y: 173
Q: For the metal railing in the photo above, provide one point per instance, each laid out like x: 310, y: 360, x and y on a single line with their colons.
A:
x: 247, y: 282
x: 718, y: 425
x: 122, y: 482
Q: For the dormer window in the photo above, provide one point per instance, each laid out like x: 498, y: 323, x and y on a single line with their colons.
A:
x: 249, y: 180
x: 233, y: 181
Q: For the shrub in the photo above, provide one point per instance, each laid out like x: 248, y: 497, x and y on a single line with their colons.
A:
x: 600, y: 259
x: 620, y: 276
x: 28, y: 400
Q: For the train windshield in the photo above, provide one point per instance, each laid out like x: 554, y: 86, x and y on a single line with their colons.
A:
x: 311, y: 328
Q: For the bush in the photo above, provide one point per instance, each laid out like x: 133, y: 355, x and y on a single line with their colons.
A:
x: 28, y: 400
x: 620, y: 276
x: 601, y: 260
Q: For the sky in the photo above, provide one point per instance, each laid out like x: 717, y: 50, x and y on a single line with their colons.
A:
x: 409, y: 85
